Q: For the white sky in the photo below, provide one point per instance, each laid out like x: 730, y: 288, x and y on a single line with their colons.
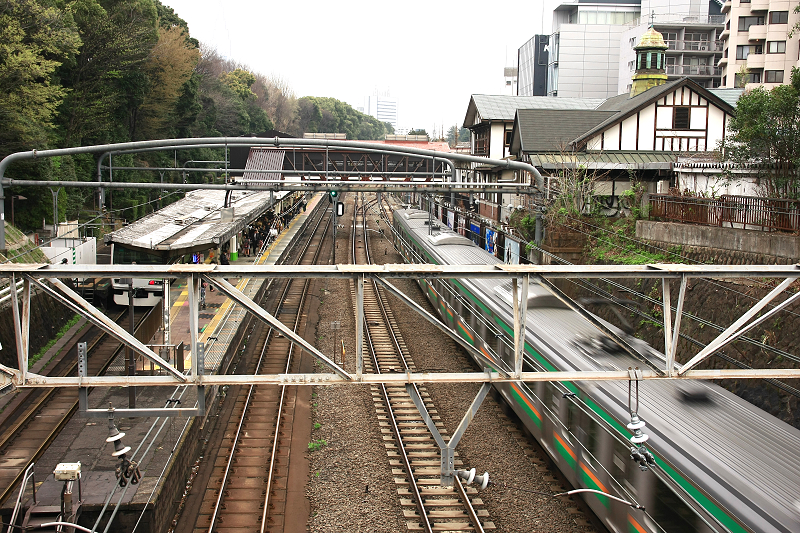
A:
x: 430, y: 55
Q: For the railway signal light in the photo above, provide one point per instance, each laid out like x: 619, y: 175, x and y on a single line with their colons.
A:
x: 333, y: 195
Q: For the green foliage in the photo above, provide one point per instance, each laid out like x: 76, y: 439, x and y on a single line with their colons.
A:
x: 456, y: 135
x: 419, y: 132
x: 316, y: 445
x: 63, y: 331
x: 765, y: 137
x: 239, y: 81
x: 35, y: 38
x: 329, y: 115
x: 614, y: 241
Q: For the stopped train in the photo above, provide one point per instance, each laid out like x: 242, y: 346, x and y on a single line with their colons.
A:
x: 721, y: 464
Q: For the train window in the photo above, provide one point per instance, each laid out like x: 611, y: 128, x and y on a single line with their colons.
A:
x: 671, y: 512
x: 619, y: 467
x: 592, y: 440
x: 572, y: 419
x: 552, y: 396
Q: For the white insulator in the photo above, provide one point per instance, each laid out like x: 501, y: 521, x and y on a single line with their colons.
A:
x: 640, y: 438
x: 467, y: 475
x: 483, y: 480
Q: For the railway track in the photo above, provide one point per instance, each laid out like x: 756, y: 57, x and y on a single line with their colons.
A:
x: 247, y: 489
x: 413, y: 453
x: 34, y: 418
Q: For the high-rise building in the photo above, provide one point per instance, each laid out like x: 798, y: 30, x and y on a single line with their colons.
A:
x: 384, y: 108
x: 532, y: 61
x: 590, y: 53
x: 756, y: 47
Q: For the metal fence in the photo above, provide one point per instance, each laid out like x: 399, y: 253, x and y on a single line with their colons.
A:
x: 746, y: 212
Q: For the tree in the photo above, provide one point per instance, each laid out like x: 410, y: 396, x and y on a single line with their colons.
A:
x: 168, y: 67
x: 107, y: 82
x: 329, y: 115
x: 418, y: 132
x: 456, y: 135
x: 240, y: 81
x: 765, y: 137
x: 34, y: 40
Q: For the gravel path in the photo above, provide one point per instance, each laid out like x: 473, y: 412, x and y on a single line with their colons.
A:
x: 351, y: 486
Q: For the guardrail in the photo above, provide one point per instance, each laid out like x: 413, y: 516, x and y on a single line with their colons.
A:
x: 746, y: 212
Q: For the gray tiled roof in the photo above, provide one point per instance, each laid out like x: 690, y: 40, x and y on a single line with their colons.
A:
x: 547, y: 130
x: 730, y: 96
x: 501, y: 107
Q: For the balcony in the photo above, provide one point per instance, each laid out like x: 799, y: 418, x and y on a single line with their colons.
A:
x: 722, y: 62
x: 694, y: 46
x: 757, y: 32
x: 726, y: 7
x: 726, y: 33
x: 755, y: 61
x: 693, y: 70
x: 759, y: 5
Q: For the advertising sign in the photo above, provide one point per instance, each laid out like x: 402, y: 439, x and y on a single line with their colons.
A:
x: 451, y: 219
x: 512, y: 252
x: 475, y: 233
x: 491, y: 239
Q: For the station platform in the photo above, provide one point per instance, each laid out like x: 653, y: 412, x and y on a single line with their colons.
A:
x: 164, y: 448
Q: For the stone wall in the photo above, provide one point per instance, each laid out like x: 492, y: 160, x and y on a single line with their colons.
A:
x: 725, y: 246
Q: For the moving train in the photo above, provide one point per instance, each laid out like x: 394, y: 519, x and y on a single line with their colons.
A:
x: 720, y: 463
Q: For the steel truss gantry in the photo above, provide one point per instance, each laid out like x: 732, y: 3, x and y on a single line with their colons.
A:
x: 520, y: 276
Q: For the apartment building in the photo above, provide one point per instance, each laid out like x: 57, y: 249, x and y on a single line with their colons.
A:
x: 757, y: 49
x: 591, y: 54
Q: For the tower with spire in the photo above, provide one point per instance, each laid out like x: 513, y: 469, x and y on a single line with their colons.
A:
x: 651, y: 69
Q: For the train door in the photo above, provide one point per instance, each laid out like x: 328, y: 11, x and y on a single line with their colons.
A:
x: 593, y: 454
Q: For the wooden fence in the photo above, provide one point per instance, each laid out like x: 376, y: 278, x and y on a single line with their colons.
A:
x: 746, y: 212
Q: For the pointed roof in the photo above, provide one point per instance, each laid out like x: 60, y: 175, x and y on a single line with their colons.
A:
x: 625, y: 106
x: 503, y: 108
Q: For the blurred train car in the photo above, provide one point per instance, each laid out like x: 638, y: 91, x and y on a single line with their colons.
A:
x: 721, y: 464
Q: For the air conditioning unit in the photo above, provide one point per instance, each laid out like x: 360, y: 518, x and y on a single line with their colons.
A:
x: 703, y: 48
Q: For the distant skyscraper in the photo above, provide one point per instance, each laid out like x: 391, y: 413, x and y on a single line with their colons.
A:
x: 384, y: 108
x: 510, y: 75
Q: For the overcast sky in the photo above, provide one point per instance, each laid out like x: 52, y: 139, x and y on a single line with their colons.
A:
x: 430, y: 55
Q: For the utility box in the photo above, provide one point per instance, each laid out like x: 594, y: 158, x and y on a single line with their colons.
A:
x: 226, y: 214
x: 67, y: 471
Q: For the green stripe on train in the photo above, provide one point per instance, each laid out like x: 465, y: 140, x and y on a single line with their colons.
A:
x: 524, y: 404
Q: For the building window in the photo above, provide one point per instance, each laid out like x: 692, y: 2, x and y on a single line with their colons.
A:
x: 508, y: 137
x: 773, y: 76
x: 778, y: 17
x: 776, y: 47
x: 742, y: 51
x: 680, y: 118
x: 746, y: 22
x: 741, y: 80
x: 482, y: 141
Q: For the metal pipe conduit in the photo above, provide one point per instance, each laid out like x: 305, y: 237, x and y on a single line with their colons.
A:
x: 248, y: 141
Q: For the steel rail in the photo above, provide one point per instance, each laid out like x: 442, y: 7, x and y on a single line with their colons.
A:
x: 9, y: 435
x: 473, y: 516
x: 386, y: 399
x: 249, y: 399
x: 298, y: 320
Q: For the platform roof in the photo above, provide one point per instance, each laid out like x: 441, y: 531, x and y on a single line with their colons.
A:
x: 195, y: 222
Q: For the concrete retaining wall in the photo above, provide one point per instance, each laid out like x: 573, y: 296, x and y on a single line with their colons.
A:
x: 738, y: 245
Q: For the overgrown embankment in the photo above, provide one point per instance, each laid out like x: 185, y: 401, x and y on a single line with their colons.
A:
x: 48, y: 317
